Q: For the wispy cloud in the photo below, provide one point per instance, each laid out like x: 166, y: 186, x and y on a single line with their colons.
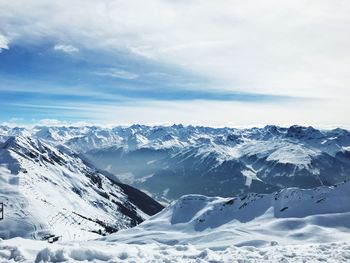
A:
x: 4, y: 42
x: 59, y: 123
x: 276, y: 47
x: 117, y: 73
x: 238, y: 51
x: 66, y: 48
x: 187, y: 112
x: 50, y: 122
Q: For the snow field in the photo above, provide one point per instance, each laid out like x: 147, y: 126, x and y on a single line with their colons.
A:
x: 22, y: 250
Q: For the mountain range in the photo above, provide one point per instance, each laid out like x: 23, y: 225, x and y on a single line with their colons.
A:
x: 283, y: 194
x: 170, y: 161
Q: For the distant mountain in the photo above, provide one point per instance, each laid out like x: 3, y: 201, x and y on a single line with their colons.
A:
x: 170, y: 161
x: 46, y: 191
x: 289, y: 216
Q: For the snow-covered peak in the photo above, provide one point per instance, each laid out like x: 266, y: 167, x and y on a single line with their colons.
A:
x: 288, y: 216
x: 300, y: 132
x: 36, y: 151
x: 45, y: 190
x: 176, y: 135
x: 143, y: 155
x: 22, y: 142
x: 203, y: 212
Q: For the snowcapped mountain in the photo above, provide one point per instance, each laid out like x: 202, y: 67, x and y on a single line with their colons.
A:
x: 50, y: 186
x: 291, y: 225
x: 171, y: 161
x: 46, y: 191
x: 289, y: 216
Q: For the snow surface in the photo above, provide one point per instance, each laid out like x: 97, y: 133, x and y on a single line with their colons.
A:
x: 250, y: 175
x: 292, y: 225
x: 29, y: 251
x: 290, y: 216
x: 46, y: 191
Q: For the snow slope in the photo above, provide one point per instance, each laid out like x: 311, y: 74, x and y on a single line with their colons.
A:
x: 29, y: 251
x: 46, y: 191
x: 290, y: 216
x: 49, y: 187
x: 292, y: 225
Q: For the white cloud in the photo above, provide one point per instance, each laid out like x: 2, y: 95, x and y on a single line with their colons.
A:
x: 211, y: 113
x: 292, y: 47
x: 50, y: 122
x: 55, y: 122
x: 288, y: 47
x: 4, y: 42
x: 117, y: 73
x: 208, y: 113
x: 66, y: 48
x: 20, y: 122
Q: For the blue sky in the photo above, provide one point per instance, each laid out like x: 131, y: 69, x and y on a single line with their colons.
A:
x: 108, y: 62
x: 43, y: 81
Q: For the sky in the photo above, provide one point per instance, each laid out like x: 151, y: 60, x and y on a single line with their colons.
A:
x: 200, y: 62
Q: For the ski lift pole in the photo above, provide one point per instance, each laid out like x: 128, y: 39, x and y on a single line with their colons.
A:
x: 1, y: 211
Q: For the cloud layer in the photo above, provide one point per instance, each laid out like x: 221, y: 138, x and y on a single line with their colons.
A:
x: 287, y: 48
x: 274, y: 46
x: 117, y: 73
x: 65, y: 48
x: 3, y: 42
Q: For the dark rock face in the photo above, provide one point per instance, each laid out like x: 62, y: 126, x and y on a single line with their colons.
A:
x: 145, y: 203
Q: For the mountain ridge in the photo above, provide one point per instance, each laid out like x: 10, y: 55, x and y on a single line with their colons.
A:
x: 46, y: 191
x: 289, y: 216
x: 219, y: 161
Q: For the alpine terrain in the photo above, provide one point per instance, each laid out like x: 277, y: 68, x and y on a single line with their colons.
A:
x: 171, y: 161
x: 48, y: 192
x: 271, y: 194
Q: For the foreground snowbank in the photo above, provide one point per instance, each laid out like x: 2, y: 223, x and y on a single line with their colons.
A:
x: 22, y: 250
